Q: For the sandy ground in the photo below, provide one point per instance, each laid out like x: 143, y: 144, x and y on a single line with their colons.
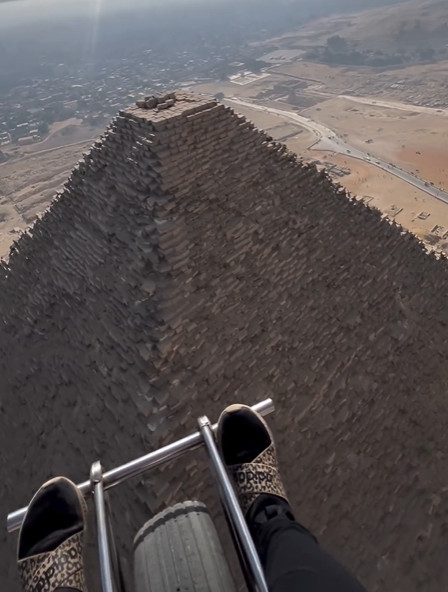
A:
x: 276, y: 127
x: 27, y: 187
x: 30, y: 179
x: 230, y: 89
x: 413, y: 209
x: 416, y: 141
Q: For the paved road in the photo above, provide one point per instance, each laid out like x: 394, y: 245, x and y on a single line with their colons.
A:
x: 326, y: 139
x: 396, y: 105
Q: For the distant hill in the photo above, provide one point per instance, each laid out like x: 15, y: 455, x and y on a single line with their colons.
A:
x: 404, y: 33
x: 406, y: 27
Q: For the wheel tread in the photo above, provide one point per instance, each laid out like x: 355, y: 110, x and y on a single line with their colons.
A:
x: 179, y: 551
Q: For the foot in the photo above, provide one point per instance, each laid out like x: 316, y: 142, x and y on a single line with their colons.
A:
x: 248, y: 449
x: 51, y: 539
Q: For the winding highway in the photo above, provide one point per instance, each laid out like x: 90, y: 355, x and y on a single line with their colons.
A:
x: 326, y: 139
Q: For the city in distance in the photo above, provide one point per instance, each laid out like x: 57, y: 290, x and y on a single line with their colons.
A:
x: 373, y: 78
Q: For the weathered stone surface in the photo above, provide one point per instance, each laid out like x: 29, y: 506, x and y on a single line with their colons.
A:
x: 163, y: 102
x: 190, y: 262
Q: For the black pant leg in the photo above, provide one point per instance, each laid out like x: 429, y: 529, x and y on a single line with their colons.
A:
x: 294, y: 561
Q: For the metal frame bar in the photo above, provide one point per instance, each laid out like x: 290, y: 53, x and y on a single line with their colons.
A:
x: 99, y: 482
x: 120, y: 584
x: 251, y: 561
x: 140, y: 465
x: 96, y: 480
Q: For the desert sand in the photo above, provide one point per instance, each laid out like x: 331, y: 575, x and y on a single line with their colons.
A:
x: 412, y: 137
x: 33, y: 174
x: 27, y: 186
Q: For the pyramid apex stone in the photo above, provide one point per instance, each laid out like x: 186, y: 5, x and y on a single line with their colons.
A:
x: 163, y: 107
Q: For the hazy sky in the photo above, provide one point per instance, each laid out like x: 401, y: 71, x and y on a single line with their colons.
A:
x: 18, y: 12
x: 17, y: 6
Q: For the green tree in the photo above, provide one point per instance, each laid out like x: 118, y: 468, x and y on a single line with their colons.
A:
x: 426, y: 53
x: 337, y: 43
x: 43, y: 128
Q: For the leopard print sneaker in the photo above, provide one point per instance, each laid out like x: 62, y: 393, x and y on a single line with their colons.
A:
x: 50, y: 547
x: 248, y: 449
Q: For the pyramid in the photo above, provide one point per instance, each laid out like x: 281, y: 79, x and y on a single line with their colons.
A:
x: 191, y: 262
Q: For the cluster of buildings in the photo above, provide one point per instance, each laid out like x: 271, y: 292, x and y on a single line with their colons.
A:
x: 422, y: 91
x: 22, y: 133
x: 19, y: 126
x: 5, y: 138
x: 94, y: 94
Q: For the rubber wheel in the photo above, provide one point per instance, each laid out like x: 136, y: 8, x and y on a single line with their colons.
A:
x: 179, y: 551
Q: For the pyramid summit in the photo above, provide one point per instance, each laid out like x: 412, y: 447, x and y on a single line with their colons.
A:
x: 191, y: 262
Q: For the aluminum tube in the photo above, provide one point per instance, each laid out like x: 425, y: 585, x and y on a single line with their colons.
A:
x: 142, y: 464
x: 233, y: 507
x: 101, y: 525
